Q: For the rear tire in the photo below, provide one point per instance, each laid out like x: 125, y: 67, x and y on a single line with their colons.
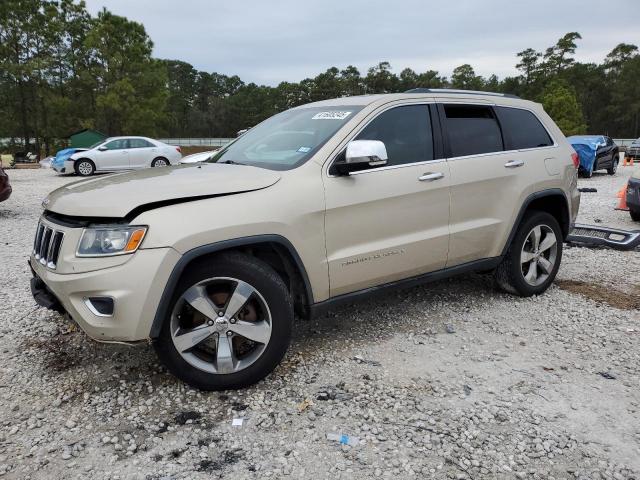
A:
x: 209, y: 362
x: 160, y: 162
x: 542, y: 257
x: 84, y: 167
x: 614, y: 166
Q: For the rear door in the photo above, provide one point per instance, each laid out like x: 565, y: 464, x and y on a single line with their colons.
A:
x: 488, y: 181
x: 115, y: 157
x: 141, y: 153
x: 390, y: 222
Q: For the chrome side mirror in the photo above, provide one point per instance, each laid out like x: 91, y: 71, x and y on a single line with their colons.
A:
x: 362, y: 155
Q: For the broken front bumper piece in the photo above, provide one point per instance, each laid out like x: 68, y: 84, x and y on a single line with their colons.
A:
x: 596, y: 236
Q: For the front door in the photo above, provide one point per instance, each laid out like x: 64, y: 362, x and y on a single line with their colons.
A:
x: 391, y: 222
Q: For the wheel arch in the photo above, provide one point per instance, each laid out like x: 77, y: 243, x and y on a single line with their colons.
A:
x: 552, y: 201
x: 78, y: 160
x: 275, y: 250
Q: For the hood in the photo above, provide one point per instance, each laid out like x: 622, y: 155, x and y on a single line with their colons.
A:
x: 198, y: 157
x: 69, y: 151
x: 63, y: 155
x: 128, y: 194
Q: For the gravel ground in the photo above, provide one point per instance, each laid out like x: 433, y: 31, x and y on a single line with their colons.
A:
x: 447, y: 380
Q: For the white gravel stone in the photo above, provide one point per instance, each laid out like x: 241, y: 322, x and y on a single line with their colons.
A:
x: 514, y: 393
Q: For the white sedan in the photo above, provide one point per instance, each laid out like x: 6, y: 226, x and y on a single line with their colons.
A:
x: 123, y: 153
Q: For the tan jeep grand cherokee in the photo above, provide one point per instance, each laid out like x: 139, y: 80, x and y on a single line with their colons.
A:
x: 320, y: 204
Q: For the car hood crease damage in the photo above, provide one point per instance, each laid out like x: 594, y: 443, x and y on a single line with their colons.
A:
x: 125, y: 195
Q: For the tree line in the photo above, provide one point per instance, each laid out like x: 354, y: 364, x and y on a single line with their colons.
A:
x: 62, y: 69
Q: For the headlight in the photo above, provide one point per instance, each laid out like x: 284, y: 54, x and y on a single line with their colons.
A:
x: 106, y: 241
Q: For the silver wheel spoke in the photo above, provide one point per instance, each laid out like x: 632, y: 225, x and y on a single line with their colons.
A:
x: 225, y: 358
x: 257, y: 332
x: 545, y: 264
x: 239, y: 332
x: 238, y: 299
x: 536, y: 233
x: 532, y: 274
x: 548, y: 242
x: 190, y: 339
x: 197, y: 297
x: 526, y: 257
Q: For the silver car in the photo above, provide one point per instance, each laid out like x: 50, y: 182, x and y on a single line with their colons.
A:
x: 634, y: 149
x: 123, y: 153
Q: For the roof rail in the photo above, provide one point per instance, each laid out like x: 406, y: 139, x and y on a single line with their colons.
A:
x: 457, y: 91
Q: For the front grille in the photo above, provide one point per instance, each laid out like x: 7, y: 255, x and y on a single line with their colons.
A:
x: 46, y: 246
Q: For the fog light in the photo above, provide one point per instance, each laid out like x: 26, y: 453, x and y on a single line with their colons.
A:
x: 100, y: 306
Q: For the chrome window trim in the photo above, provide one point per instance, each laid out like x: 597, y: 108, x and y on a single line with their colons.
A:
x: 393, y: 167
x: 464, y: 157
x: 375, y: 114
x: 456, y: 101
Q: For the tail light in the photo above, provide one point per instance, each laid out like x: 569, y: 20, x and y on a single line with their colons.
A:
x: 576, y: 159
x: 179, y: 149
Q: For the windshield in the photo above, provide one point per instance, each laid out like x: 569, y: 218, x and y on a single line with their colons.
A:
x: 287, y: 139
x: 97, y: 144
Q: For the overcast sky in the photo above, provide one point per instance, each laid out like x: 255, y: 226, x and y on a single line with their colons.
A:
x: 273, y: 40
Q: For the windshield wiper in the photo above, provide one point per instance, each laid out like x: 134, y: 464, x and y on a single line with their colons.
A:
x: 231, y: 162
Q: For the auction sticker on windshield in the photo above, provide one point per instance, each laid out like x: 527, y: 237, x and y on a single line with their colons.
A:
x: 331, y: 115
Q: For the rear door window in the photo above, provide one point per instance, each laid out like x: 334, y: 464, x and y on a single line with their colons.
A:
x: 472, y: 130
x: 522, y: 129
x: 139, y: 143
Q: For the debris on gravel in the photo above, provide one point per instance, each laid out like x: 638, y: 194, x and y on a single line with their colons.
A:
x: 529, y: 388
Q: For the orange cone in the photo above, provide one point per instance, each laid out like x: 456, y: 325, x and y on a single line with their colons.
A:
x: 622, y: 195
x: 627, y: 161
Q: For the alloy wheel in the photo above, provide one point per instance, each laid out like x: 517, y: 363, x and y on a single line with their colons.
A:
x: 538, y: 255
x: 160, y: 162
x: 221, y: 325
x: 85, y: 168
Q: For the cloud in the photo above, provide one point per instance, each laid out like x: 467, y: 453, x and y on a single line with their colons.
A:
x: 271, y: 41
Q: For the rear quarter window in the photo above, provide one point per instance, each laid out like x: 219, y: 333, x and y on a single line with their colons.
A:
x: 522, y: 129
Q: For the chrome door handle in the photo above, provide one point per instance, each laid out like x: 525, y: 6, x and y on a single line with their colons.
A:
x: 430, y: 177
x: 514, y: 163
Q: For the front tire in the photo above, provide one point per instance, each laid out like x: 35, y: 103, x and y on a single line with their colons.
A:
x: 229, y: 324
x: 85, y: 167
x: 533, y: 258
